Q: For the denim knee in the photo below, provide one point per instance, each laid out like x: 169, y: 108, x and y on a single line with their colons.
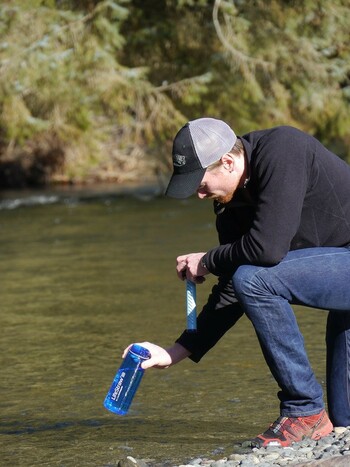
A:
x: 246, y: 281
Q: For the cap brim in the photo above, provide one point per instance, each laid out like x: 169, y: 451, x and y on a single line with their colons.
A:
x: 184, y: 185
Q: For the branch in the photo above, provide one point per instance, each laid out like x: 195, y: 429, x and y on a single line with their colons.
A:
x: 241, y: 59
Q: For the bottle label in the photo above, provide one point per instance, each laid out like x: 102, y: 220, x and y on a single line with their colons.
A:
x: 119, y: 387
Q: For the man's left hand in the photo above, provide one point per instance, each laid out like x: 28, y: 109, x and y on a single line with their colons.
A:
x: 189, y: 267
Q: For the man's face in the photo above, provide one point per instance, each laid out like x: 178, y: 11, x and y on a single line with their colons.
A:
x: 219, y: 184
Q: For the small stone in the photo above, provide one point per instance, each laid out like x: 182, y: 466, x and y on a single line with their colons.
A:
x: 307, y: 442
x: 246, y: 444
x: 288, y: 453
x: 340, y: 429
x: 326, y: 440
x: 236, y: 457
x: 260, y: 451
x: 247, y: 463
x: 141, y: 463
x: 128, y: 462
x: 278, y: 449
x: 272, y: 456
x: 282, y: 462
x: 218, y: 463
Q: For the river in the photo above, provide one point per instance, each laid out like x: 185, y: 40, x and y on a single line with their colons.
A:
x: 82, y: 276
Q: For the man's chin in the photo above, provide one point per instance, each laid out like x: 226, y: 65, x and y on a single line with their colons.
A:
x: 224, y: 199
x: 220, y: 199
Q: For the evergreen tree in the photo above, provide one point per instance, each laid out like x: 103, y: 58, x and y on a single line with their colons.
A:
x: 68, y: 110
x: 270, y: 62
x: 289, y: 63
x: 97, y: 88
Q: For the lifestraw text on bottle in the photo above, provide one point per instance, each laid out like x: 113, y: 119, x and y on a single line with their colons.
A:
x: 119, y: 387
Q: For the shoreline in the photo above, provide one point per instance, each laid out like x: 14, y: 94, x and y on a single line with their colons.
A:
x: 331, y: 451
x: 11, y: 199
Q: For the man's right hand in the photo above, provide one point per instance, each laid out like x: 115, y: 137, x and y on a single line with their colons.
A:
x: 161, y: 358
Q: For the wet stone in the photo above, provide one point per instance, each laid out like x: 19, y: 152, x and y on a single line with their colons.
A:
x: 196, y: 461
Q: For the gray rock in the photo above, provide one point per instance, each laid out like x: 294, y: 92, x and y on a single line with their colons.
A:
x: 219, y: 463
x: 331, y: 451
x: 196, y: 461
x: 131, y: 462
x: 335, y: 461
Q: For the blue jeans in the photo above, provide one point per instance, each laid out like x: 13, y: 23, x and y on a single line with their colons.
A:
x: 315, y: 277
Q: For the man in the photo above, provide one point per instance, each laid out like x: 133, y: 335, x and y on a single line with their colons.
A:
x: 282, y: 205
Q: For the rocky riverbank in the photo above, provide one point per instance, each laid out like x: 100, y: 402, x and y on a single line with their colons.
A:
x: 330, y: 451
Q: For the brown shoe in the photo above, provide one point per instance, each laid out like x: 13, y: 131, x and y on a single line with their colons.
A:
x: 288, y: 430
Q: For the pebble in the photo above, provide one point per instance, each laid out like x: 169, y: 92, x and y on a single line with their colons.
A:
x: 330, y: 451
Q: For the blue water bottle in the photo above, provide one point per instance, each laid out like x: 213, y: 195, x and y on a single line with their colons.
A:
x: 126, y: 380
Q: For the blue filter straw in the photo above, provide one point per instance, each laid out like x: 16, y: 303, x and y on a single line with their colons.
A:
x: 127, y: 380
x: 191, y: 306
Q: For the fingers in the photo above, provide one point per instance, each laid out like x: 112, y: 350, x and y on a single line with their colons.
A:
x: 181, y: 267
x: 126, y: 350
x: 160, y: 358
x: 189, y: 267
x: 153, y: 363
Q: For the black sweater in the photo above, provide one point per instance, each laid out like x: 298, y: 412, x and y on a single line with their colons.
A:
x: 298, y: 196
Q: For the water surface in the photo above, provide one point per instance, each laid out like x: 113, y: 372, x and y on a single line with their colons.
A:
x: 80, y: 280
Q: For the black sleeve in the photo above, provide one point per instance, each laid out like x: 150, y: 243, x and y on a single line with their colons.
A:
x: 279, y: 179
x: 220, y: 313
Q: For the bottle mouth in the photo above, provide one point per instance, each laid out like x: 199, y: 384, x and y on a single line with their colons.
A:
x: 140, y: 352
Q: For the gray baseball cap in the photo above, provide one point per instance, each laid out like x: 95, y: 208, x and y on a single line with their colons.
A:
x: 197, y: 145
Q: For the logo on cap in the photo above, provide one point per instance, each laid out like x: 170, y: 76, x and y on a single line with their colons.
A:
x: 179, y: 161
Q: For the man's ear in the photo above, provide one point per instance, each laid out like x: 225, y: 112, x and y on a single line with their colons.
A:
x: 228, y: 162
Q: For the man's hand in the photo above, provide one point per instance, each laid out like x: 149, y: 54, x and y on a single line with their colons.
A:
x: 161, y: 358
x: 189, y: 267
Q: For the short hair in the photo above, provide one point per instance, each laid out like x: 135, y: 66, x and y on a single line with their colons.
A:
x: 237, y: 150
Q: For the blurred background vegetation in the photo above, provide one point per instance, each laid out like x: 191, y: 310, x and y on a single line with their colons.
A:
x: 94, y: 91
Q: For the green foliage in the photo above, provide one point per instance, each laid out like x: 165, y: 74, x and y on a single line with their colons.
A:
x: 295, y: 58
x: 271, y: 62
x: 60, y: 81
x: 297, y: 64
x: 98, y: 88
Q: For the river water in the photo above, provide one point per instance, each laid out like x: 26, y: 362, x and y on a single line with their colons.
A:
x: 81, y: 278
